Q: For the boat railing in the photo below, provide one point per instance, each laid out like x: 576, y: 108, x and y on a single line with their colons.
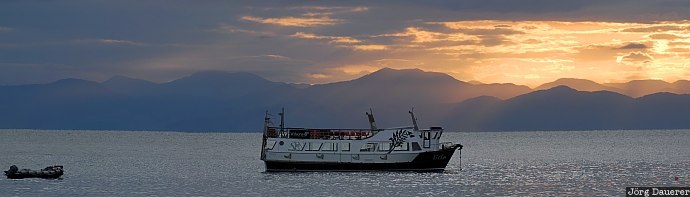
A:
x: 324, y: 134
x: 445, y: 145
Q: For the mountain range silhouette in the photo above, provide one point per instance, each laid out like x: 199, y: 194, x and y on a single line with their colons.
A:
x: 229, y: 102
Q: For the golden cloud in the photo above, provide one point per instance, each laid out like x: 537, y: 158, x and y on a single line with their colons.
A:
x: 332, y: 39
x: 664, y: 36
x: 370, y: 47
x: 332, y: 10
x: 358, y: 69
x: 294, y: 21
x: 636, y: 57
x: 311, y: 16
x: 420, y: 35
x: 342, y: 41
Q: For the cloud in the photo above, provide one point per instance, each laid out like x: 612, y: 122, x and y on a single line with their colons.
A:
x: 657, y: 28
x: 633, y: 46
x: 664, y: 36
x: 294, y: 21
x: 493, y: 40
x: 496, y: 31
x: 342, y: 41
x: 225, y: 28
x: 539, y: 50
x: 113, y: 42
x: 490, y: 41
x: 331, y: 39
x: 5, y: 29
x: 119, y: 42
x: 636, y: 57
x: 319, y: 76
x: 680, y: 50
x: 361, y: 69
x: 268, y: 57
x: 596, y: 53
x: 370, y: 47
x: 420, y: 35
x: 280, y: 57
x: 311, y: 16
x: 329, y: 10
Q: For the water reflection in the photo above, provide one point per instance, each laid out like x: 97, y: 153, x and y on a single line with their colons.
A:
x: 587, y: 163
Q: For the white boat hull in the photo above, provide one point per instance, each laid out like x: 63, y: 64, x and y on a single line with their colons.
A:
x: 424, y: 161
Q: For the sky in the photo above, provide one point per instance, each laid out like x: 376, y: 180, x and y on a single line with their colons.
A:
x: 527, y: 42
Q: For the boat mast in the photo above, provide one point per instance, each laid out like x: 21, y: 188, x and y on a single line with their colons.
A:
x: 414, y: 120
x: 372, y: 122
x: 282, y: 121
x: 267, y: 120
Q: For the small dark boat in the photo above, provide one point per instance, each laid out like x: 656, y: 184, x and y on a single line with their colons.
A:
x: 50, y: 172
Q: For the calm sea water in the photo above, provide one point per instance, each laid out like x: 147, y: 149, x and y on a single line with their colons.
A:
x: 120, y: 163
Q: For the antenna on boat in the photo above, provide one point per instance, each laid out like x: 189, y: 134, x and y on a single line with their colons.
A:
x: 414, y: 120
x: 282, y: 119
x: 372, y: 122
x: 267, y: 120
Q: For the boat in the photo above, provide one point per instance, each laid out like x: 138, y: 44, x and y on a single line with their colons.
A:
x: 50, y: 172
x: 392, y: 149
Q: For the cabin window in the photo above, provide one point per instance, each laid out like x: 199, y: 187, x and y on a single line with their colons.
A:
x: 329, y: 146
x: 384, y: 147
x: 368, y: 147
x: 435, y: 135
x: 345, y: 146
x: 313, y: 146
x: 427, y: 139
x: 415, y: 146
x: 270, y: 144
x: 402, y: 147
x: 296, y: 146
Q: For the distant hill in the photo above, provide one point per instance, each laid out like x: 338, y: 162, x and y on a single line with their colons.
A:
x: 564, y: 108
x: 578, y: 84
x: 127, y: 85
x: 214, y: 100
x: 223, y: 101
x: 390, y: 93
x: 635, y: 88
x: 217, y: 85
x: 682, y: 86
x: 638, y: 88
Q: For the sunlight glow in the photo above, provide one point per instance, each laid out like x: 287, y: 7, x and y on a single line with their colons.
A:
x: 534, y: 52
